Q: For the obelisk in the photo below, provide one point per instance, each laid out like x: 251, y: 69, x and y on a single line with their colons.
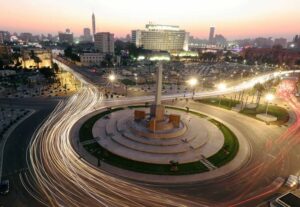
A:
x: 157, y: 110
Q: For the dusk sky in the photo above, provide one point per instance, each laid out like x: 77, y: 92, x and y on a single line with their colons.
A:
x: 232, y: 18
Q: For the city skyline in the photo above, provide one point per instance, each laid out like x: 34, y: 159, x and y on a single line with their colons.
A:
x: 234, y: 19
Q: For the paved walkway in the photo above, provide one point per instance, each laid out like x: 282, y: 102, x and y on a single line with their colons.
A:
x: 202, y: 138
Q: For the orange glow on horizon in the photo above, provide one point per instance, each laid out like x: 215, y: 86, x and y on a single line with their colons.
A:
x: 233, y: 18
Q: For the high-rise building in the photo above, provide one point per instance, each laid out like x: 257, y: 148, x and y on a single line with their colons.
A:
x: 220, y: 40
x: 26, y: 37
x: 104, y: 42
x: 161, y: 38
x: 4, y: 36
x: 281, y: 41
x: 94, y: 24
x: 211, y: 35
x: 86, y: 31
x: 66, y: 37
x: 296, y: 42
x: 262, y: 42
x: 86, y: 37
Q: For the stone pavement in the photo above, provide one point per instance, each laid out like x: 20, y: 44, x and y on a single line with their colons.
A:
x: 240, y: 159
x: 201, y: 139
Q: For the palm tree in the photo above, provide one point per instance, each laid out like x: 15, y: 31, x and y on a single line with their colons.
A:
x: 260, y: 88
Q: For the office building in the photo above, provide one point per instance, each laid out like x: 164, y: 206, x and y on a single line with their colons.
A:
x: 220, y: 40
x: 161, y: 38
x: 91, y: 59
x: 86, y: 37
x: 26, y: 37
x: 262, y: 42
x: 281, y: 41
x: 211, y: 35
x: 104, y: 42
x: 4, y: 37
x: 66, y: 37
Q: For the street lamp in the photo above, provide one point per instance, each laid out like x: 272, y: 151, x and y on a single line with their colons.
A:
x: 193, y: 82
x: 112, y: 78
x: 221, y: 87
x: 136, y: 78
x: 269, y: 97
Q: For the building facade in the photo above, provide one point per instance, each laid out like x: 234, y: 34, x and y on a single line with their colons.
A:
x: 36, y: 58
x: 86, y: 37
x: 281, y: 41
x: 211, y: 35
x: 4, y: 36
x: 66, y: 37
x: 91, y: 59
x: 161, y: 38
x: 271, y: 55
x: 26, y: 37
x: 104, y: 42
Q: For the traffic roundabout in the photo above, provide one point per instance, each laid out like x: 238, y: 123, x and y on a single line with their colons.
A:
x: 201, y: 147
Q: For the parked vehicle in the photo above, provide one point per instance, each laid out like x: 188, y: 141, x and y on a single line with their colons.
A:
x: 4, y: 187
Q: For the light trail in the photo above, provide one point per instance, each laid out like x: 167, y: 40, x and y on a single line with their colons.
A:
x: 67, y: 180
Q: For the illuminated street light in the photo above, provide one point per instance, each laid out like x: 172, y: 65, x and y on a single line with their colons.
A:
x: 136, y: 78
x: 222, y: 87
x: 269, y: 97
x: 111, y: 77
x: 193, y: 82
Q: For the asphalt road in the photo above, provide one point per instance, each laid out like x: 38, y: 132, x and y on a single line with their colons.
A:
x: 247, y: 180
x: 14, y: 162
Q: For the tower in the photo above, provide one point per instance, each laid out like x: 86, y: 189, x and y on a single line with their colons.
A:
x: 211, y: 35
x: 93, y: 24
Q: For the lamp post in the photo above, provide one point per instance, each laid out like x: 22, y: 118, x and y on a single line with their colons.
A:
x: 193, y: 82
x: 221, y: 87
x: 269, y: 97
x: 135, y: 78
x: 112, y: 79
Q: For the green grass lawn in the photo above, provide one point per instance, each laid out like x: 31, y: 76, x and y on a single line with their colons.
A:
x: 281, y: 113
x: 128, y: 82
x: 229, y: 149
x: 160, y: 169
x: 224, y: 103
x: 222, y: 157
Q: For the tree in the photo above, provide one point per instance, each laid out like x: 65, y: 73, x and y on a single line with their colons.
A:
x: 260, y: 88
x: 55, y: 67
x: 37, y: 61
x: 70, y: 54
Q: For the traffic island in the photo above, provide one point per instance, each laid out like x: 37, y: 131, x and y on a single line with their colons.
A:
x: 106, y: 137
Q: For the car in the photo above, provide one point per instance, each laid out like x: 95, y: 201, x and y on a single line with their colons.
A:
x: 292, y: 181
x: 4, y: 187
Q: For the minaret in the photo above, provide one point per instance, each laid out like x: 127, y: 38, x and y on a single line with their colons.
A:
x: 93, y: 24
